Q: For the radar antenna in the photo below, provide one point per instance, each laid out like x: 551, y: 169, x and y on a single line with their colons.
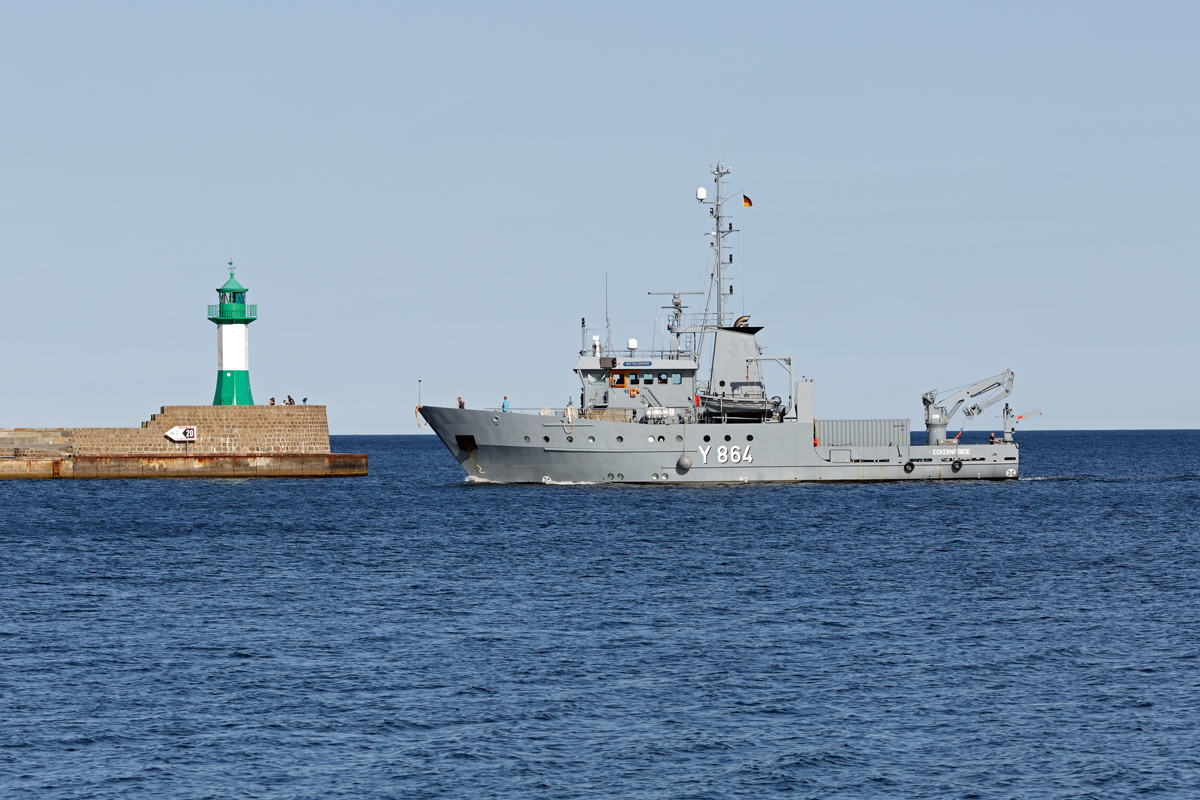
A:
x: 676, y: 308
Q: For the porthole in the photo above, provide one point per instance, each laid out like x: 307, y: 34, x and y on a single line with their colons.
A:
x: 679, y: 438
x: 527, y: 438
x: 620, y: 476
x: 728, y: 437
x: 570, y: 438
x: 650, y: 438
x: 545, y: 438
x: 706, y: 437
x: 496, y: 420
x: 620, y: 439
x: 654, y: 476
x: 611, y: 476
x: 591, y: 438
x: 722, y: 383
x: 662, y: 438
x: 750, y: 437
x: 664, y: 476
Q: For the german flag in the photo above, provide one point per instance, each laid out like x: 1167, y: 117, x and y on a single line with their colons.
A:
x: 746, y: 202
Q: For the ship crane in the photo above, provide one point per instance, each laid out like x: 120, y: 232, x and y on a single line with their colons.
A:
x: 1011, y: 418
x: 936, y: 415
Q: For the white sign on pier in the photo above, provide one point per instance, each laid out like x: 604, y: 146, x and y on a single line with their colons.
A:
x: 182, y: 433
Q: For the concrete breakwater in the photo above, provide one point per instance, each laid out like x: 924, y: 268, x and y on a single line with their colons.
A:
x: 230, y: 441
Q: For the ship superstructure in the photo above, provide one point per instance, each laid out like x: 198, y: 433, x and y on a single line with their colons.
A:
x: 698, y: 411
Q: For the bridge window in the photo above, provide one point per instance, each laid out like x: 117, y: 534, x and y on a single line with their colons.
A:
x: 648, y: 377
x: 633, y: 379
x: 594, y: 378
x: 676, y: 378
x: 662, y: 377
x: 618, y: 380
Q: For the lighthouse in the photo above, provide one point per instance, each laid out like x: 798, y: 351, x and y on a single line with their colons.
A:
x: 233, y: 318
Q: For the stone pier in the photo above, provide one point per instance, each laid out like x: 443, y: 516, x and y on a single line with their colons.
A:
x: 231, y: 441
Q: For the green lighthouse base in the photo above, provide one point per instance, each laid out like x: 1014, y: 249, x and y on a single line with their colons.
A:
x: 233, y: 388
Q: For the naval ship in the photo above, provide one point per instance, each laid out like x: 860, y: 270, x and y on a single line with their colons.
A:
x: 698, y: 411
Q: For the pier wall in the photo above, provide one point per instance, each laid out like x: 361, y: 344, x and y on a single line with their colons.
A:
x: 219, y: 430
x: 231, y: 441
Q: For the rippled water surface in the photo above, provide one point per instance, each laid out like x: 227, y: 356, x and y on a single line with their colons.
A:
x: 408, y: 635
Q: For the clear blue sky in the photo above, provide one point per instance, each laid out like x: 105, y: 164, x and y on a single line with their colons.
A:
x: 437, y: 191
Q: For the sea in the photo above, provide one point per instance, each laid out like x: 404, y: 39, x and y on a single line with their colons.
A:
x: 410, y: 635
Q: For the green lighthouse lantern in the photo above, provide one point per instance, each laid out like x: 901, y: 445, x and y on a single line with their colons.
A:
x: 233, y: 318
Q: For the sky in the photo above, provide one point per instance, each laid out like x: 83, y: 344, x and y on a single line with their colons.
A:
x: 437, y: 193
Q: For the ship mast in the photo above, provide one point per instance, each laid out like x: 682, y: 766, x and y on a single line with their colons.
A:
x: 720, y: 230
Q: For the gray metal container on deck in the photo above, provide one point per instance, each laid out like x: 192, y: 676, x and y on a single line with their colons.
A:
x: 862, y: 432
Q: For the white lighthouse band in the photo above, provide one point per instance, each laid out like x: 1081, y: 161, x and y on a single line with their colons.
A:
x: 233, y: 347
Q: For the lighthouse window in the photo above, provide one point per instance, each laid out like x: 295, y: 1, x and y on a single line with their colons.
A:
x: 676, y: 378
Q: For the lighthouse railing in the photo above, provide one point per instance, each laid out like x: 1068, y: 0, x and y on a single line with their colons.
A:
x: 233, y: 311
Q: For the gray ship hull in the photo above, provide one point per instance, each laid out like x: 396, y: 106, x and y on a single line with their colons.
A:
x: 528, y: 448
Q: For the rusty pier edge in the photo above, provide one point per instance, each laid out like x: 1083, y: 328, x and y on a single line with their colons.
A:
x: 225, y: 465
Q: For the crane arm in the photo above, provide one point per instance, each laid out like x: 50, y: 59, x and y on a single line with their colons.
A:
x: 1002, y: 381
x: 1011, y: 419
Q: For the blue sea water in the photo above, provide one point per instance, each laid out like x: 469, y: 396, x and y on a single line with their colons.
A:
x: 409, y: 635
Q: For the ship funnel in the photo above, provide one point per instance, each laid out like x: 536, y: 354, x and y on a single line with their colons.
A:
x: 701, y: 194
